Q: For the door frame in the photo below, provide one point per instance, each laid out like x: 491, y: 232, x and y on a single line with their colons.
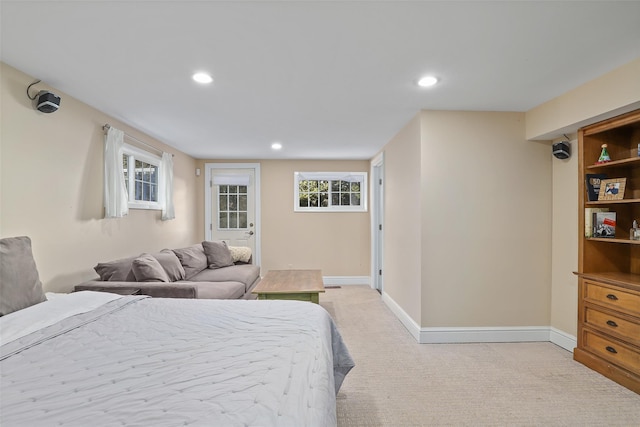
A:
x: 208, y: 223
x: 377, y: 219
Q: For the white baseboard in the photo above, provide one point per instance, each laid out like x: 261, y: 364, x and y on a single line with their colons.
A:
x: 443, y: 335
x: 562, y: 339
x: 405, y: 319
x: 346, y: 280
x: 450, y: 335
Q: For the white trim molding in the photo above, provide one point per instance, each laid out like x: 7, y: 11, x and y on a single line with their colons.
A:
x: 451, y: 335
x: 443, y: 335
x: 562, y: 339
x: 346, y: 280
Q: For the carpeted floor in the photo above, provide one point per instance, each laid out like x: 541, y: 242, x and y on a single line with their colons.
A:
x: 397, y: 382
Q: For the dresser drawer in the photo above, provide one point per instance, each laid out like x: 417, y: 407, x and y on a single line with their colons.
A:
x: 613, y: 351
x: 626, y: 330
x: 612, y: 297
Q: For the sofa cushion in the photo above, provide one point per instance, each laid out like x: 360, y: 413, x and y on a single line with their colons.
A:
x: 116, y: 271
x: 240, y: 254
x: 192, y: 259
x: 171, y: 264
x: 219, y: 290
x: 217, y: 253
x: 147, y: 269
x: 245, y: 273
x: 20, y: 285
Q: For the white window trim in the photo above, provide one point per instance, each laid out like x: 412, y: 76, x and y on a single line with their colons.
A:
x: 150, y: 158
x: 361, y: 177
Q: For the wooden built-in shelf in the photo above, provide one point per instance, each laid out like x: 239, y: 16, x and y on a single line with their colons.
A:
x: 626, y: 280
x: 611, y: 202
x: 614, y: 163
x: 609, y: 268
x: 614, y: 240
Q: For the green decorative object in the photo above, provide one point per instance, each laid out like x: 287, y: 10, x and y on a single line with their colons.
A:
x: 604, y: 155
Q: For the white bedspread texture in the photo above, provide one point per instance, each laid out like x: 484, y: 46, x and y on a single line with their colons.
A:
x: 172, y: 362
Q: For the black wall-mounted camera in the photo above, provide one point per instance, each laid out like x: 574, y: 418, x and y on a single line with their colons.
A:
x: 47, y: 102
x: 562, y: 150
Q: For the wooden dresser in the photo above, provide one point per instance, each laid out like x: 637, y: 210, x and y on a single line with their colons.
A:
x: 609, y: 266
x: 609, y: 327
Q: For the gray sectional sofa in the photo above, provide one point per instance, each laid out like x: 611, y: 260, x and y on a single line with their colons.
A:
x: 210, y: 270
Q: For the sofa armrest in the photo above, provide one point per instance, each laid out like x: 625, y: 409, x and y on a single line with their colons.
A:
x: 153, y: 289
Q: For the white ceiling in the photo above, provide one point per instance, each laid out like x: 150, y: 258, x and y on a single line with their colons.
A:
x: 328, y: 79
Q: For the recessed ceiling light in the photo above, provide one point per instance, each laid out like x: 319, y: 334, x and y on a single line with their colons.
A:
x: 276, y: 146
x: 427, y: 81
x: 203, y: 78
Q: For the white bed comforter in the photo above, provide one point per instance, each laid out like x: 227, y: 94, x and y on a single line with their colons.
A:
x: 137, y: 361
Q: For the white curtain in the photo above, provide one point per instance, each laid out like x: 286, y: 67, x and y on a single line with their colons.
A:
x: 116, y: 204
x: 166, y: 188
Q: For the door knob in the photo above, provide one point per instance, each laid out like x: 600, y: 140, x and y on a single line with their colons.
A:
x: 250, y: 233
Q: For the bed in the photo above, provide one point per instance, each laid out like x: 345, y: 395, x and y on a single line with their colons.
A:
x: 92, y: 358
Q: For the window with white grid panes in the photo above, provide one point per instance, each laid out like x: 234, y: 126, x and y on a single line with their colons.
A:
x: 141, y: 176
x: 330, y: 191
x: 232, y: 207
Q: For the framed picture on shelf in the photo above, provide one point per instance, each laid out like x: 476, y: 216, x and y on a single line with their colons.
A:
x: 612, y: 189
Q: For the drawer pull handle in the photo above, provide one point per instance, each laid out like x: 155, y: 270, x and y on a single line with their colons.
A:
x: 612, y: 323
x: 611, y: 349
x: 612, y: 297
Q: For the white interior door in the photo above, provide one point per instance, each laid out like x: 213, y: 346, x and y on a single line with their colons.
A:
x: 231, y: 204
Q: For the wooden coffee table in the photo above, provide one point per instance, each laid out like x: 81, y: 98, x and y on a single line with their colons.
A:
x: 301, y: 285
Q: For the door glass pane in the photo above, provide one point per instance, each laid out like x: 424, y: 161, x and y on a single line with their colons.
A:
x: 242, y: 203
x: 233, y: 189
x: 233, y: 220
x: 242, y: 189
x: 223, y: 202
x: 223, y: 223
x: 242, y: 220
x: 224, y: 189
x: 233, y: 202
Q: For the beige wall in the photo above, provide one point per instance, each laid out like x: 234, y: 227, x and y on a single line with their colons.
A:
x: 486, y: 223
x: 52, y: 188
x: 564, y: 249
x: 336, y: 242
x: 521, y: 274
x: 402, y: 274
x: 611, y: 94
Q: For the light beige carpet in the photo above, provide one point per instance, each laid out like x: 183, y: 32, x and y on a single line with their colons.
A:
x: 398, y: 382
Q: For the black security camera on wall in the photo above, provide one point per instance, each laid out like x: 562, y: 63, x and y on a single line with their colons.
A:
x: 562, y: 149
x: 44, y: 101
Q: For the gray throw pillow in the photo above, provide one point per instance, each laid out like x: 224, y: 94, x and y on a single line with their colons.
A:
x: 217, y: 253
x: 147, y: 269
x: 116, y: 271
x: 20, y: 285
x: 171, y: 264
x: 192, y: 259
